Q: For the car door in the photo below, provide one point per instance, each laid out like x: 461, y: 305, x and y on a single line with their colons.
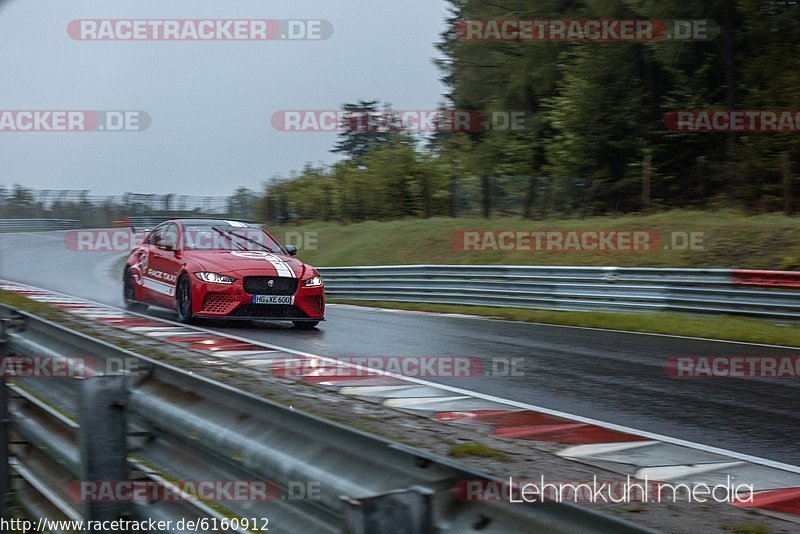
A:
x: 165, y: 263
x: 143, y: 266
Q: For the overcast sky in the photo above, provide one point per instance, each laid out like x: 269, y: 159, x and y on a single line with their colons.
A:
x: 210, y: 102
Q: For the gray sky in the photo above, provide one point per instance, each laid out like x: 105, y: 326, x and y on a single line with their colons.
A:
x: 210, y: 102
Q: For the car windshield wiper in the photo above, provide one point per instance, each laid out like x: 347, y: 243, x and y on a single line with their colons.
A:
x: 249, y: 239
x: 228, y: 235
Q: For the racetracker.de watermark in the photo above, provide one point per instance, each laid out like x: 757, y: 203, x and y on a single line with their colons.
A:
x: 580, y: 241
x: 733, y: 367
x: 734, y: 121
x: 47, y: 367
x: 42, y: 120
x: 585, y: 30
x: 428, y: 121
x: 405, y: 366
x: 37, y: 366
x: 124, y: 240
x: 146, y: 490
x: 199, y: 30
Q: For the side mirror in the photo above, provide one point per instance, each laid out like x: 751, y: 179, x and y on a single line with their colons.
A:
x: 291, y: 250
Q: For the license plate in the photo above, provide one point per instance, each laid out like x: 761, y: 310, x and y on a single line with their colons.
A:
x: 273, y: 299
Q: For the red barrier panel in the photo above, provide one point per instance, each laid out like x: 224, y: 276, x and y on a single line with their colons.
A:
x: 567, y: 434
x: 500, y: 418
x: 789, y: 279
x: 783, y: 500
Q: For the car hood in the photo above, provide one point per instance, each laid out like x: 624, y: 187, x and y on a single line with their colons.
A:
x: 253, y: 262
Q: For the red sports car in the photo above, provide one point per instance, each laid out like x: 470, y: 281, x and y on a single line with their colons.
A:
x: 205, y: 268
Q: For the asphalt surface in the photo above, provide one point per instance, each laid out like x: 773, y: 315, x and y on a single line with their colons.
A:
x: 609, y: 376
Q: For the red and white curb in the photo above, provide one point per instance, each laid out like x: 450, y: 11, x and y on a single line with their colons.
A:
x: 611, y: 447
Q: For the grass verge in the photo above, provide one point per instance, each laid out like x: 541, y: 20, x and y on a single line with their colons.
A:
x: 724, y: 328
x: 14, y: 300
x: 477, y: 449
x: 725, y: 240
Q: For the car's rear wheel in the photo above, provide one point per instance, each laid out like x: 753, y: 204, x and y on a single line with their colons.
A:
x: 183, y: 300
x: 129, y: 292
x: 305, y: 325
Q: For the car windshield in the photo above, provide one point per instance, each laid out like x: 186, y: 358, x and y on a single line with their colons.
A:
x: 225, y: 237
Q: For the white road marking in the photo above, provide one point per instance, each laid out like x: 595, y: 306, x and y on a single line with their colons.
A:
x: 549, y: 325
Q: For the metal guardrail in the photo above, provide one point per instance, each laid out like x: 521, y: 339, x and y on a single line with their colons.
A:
x: 159, y: 423
x: 37, y: 225
x: 702, y: 291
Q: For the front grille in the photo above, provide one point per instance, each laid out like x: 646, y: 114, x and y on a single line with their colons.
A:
x: 217, y: 302
x: 259, y: 285
x: 313, y: 303
x: 272, y: 311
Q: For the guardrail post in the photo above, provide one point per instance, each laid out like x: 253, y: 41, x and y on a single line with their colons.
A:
x: 5, y: 475
x: 103, y: 441
x: 407, y: 511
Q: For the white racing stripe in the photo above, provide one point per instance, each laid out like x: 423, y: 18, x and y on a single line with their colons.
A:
x: 158, y: 286
x: 280, y: 266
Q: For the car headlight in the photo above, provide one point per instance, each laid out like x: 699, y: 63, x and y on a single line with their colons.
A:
x: 215, y: 278
x: 314, y: 281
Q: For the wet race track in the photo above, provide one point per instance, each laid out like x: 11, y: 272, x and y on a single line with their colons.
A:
x: 609, y: 376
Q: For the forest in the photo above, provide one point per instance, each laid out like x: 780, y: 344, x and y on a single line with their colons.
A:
x: 596, y: 136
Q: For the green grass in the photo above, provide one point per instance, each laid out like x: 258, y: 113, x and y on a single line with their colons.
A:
x: 730, y: 240
x: 477, y: 449
x: 20, y: 302
x: 724, y: 328
x: 746, y: 528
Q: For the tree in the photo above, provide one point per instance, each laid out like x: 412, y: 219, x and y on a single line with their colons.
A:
x: 365, y: 126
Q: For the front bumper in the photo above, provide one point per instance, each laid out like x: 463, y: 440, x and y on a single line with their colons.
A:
x: 232, y: 302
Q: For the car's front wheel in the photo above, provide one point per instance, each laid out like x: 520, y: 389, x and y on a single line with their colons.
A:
x: 183, y: 299
x: 129, y: 292
x: 305, y: 325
